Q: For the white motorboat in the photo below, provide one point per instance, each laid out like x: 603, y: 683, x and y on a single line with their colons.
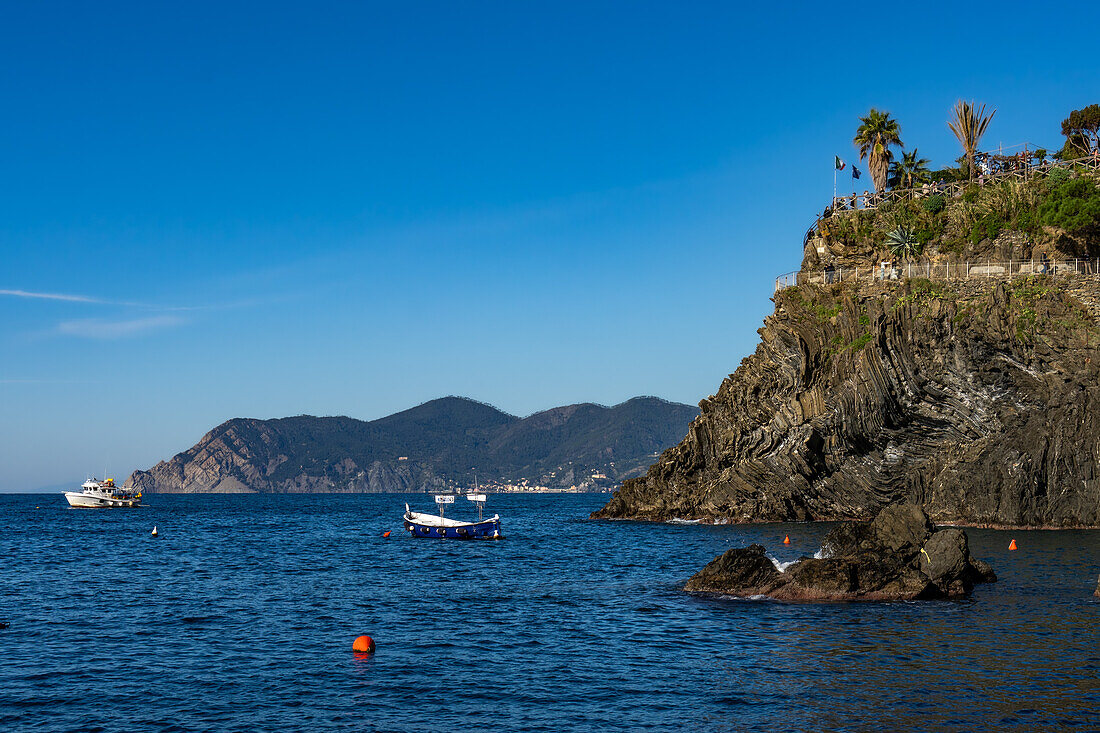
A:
x: 102, y: 495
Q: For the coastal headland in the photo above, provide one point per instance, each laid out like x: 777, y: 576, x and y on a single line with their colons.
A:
x: 939, y: 347
x: 436, y: 446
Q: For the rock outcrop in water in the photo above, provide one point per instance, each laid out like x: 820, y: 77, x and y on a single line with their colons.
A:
x: 898, y: 556
x: 979, y: 401
x: 434, y: 446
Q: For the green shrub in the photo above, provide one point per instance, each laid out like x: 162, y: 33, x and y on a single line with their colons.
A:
x: 934, y: 204
x: 1074, y: 206
x: 988, y: 227
x: 860, y: 342
x: 1025, y: 222
x: 821, y: 312
x: 1057, y: 177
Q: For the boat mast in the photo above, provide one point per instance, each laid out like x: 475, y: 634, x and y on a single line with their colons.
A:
x: 476, y: 492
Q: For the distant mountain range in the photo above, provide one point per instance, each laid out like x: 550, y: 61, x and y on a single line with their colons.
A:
x: 438, y: 445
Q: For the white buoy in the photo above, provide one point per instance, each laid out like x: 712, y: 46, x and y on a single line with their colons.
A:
x: 154, y: 530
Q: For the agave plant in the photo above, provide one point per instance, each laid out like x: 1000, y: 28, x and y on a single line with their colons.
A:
x: 903, y: 243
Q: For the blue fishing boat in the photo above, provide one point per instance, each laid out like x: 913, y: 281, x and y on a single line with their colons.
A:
x: 419, y: 524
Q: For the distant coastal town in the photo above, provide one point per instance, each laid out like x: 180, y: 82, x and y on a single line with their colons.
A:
x: 597, y: 482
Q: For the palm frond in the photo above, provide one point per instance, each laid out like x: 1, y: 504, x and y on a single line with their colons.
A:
x: 874, y: 137
x: 969, y: 123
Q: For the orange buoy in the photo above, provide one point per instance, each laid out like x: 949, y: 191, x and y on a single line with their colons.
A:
x: 1012, y: 545
x: 787, y: 540
x: 386, y: 534
x: 363, y: 645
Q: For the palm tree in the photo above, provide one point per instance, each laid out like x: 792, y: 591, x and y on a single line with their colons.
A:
x: 908, y: 172
x: 968, y: 124
x: 873, y: 138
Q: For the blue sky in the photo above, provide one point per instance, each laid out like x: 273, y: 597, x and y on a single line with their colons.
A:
x: 268, y: 209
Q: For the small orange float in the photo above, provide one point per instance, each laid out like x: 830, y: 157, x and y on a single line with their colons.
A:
x: 787, y: 540
x: 1012, y: 545
x: 386, y: 534
x: 363, y: 645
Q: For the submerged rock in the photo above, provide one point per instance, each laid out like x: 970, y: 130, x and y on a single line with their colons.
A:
x: 898, y: 556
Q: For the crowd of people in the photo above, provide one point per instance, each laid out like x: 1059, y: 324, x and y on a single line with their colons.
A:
x: 987, y: 165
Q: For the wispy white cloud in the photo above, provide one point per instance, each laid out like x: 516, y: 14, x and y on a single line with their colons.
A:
x: 52, y: 296
x: 74, y: 298
x: 47, y: 381
x: 99, y: 328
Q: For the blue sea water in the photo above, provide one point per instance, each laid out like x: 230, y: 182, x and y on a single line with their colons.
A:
x: 241, y: 614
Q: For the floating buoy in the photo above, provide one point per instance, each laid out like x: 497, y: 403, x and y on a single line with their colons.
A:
x: 787, y: 540
x: 154, y: 532
x: 386, y: 534
x: 363, y: 645
x: 1012, y: 545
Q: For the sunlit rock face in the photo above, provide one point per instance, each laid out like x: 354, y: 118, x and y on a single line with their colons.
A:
x: 978, y: 401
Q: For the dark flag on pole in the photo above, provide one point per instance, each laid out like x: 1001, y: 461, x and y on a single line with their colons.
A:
x: 839, y: 163
x: 855, y: 173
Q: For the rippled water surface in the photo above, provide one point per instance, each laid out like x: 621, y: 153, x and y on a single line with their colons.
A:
x: 240, y: 616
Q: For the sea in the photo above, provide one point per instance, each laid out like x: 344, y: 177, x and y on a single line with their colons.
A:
x: 240, y: 616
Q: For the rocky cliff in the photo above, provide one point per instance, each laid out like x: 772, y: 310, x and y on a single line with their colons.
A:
x: 437, y: 445
x: 976, y: 400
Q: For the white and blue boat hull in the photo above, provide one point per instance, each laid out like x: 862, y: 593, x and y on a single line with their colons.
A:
x: 427, y: 525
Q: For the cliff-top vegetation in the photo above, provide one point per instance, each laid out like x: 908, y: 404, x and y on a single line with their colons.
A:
x: 958, y: 212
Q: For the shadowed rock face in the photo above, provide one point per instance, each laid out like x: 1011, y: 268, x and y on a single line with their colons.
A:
x: 755, y: 573
x: 977, y: 401
x: 898, y: 556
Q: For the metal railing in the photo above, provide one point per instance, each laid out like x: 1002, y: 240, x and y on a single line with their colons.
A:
x: 1023, y: 171
x: 979, y: 270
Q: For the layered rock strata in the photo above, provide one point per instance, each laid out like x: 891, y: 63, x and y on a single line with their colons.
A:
x: 975, y: 400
